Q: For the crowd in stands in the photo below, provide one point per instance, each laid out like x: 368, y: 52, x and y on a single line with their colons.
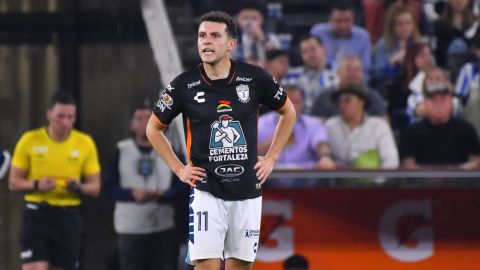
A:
x: 378, y: 85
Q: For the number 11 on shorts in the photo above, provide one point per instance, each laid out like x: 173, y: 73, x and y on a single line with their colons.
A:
x: 205, y: 215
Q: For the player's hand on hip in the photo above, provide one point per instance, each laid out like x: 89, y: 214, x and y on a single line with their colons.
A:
x: 189, y: 174
x: 264, y: 168
x: 46, y: 184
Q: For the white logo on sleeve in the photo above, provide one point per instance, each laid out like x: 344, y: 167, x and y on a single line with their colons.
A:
x: 199, y: 98
x: 27, y: 254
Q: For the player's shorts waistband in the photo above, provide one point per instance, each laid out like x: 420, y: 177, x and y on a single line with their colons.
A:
x: 46, y: 206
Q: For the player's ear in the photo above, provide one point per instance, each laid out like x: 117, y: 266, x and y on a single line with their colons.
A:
x: 232, y: 42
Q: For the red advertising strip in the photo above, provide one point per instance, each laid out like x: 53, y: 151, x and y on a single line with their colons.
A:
x: 371, y: 228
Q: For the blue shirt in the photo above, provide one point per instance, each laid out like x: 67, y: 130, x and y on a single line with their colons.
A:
x: 358, y: 43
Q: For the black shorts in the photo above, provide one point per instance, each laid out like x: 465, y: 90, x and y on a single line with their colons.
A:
x: 51, y: 234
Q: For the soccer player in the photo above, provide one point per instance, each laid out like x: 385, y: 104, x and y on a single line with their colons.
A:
x: 48, y: 165
x: 226, y: 175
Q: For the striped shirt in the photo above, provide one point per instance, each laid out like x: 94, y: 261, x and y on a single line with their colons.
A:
x: 468, y: 79
x: 311, y: 82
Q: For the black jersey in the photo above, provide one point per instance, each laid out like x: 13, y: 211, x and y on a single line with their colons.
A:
x: 220, y: 120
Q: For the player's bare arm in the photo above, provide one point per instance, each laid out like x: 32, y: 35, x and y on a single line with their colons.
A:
x: 283, y: 130
x: 187, y: 173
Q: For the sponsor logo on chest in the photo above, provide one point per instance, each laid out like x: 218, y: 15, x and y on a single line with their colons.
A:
x: 193, y: 84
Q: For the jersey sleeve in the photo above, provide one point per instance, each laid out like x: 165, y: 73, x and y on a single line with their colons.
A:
x: 169, y: 105
x: 91, y: 165
x: 272, y: 93
x: 21, y: 154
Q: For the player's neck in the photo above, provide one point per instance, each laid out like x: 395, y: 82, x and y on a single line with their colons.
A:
x: 57, y: 136
x: 219, y: 70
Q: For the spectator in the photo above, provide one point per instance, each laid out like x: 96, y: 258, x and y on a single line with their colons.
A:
x: 314, y: 76
x: 307, y: 146
x: 469, y: 80
x: 253, y: 41
x: 341, y: 37
x: 295, y: 262
x: 141, y: 184
x: 399, y: 32
x: 468, y: 83
x: 48, y: 166
x: 4, y: 162
x: 416, y: 101
x: 374, y: 15
x: 455, y: 29
x: 418, y: 58
x: 440, y: 139
x: 277, y: 63
x: 349, y: 72
x: 357, y: 139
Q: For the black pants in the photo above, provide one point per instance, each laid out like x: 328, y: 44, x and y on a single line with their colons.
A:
x: 154, y: 251
x: 51, y: 234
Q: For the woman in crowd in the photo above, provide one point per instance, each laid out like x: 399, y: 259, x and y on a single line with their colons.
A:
x: 418, y: 58
x: 399, y: 32
x: 454, y: 30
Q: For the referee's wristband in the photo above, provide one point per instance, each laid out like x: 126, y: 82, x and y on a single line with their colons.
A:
x: 36, y: 184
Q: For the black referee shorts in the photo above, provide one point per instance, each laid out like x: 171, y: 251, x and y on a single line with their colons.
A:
x: 51, y: 234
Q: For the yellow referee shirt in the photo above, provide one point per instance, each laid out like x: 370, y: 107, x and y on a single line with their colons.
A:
x: 41, y: 156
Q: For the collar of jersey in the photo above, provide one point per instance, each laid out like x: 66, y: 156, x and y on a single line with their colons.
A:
x: 219, y: 82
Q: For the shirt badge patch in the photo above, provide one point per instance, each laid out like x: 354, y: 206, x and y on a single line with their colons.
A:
x: 243, y: 93
x: 165, y: 102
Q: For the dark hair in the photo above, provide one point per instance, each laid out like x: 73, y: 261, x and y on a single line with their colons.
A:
x: 62, y: 97
x: 468, y: 16
x: 295, y: 261
x: 221, y: 17
x: 342, y: 5
x: 253, y: 5
x: 409, y: 67
x: 145, y: 104
x: 275, y: 53
x: 310, y: 36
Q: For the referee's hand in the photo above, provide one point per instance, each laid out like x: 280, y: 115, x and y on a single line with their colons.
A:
x: 263, y: 168
x: 46, y: 184
x: 189, y: 174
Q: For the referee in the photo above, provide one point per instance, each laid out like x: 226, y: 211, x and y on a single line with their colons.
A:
x: 53, y: 165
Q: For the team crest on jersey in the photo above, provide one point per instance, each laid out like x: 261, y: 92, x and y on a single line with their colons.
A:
x: 165, y: 102
x: 243, y: 93
x: 227, y: 140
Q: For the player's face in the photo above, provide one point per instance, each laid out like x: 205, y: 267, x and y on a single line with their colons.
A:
x: 61, y: 118
x: 214, y: 42
x: 139, y: 123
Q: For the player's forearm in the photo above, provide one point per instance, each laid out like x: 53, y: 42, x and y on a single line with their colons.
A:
x: 282, y: 131
x: 160, y: 143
